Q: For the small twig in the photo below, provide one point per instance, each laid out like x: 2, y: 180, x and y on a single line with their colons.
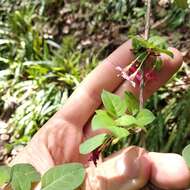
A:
x: 147, y: 26
x: 141, y: 98
x: 146, y: 36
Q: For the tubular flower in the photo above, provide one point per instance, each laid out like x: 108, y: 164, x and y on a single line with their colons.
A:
x: 133, y: 75
x: 125, y: 75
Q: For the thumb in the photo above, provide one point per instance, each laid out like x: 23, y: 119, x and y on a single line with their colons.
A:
x: 126, y: 169
x: 169, y: 171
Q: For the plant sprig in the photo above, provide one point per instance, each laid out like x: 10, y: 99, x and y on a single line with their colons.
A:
x: 121, y: 118
x: 144, y: 49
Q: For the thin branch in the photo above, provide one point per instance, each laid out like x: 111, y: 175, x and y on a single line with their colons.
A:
x: 146, y: 36
x: 141, y: 93
x: 147, y: 26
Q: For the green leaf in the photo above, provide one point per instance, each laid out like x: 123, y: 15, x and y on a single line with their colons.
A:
x: 92, y: 143
x: 126, y: 120
x: 158, y: 64
x: 158, y: 41
x: 139, y: 43
x: 131, y: 103
x: 23, y: 175
x: 145, y: 117
x: 113, y: 103
x: 119, y: 132
x: 165, y: 51
x: 103, y: 121
x: 64, y: 177
x: 5, y: 175
x: 182, y: 3
x: 186, y: 154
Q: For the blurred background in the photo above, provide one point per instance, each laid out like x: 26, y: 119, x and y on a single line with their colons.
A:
x: 48, y: 46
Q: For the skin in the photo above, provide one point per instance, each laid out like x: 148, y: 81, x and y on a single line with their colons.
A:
x: 58, y: 141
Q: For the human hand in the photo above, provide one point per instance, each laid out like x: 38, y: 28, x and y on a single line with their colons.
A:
x: 58, y: 141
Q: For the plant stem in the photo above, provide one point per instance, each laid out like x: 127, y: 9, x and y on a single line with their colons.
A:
x: 147, y: 26
x: 146, y: 36
x: 141, y: 99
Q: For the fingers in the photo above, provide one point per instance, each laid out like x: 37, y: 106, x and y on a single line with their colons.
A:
x: 169, y: 171
x: 128, y: 169
x: 170, y: 66
x: 84, y: 101
x: 132, y: 167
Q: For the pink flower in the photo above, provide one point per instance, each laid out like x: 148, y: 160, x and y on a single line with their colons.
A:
x: 132, y: 69
x: 125, y: 76
x: 132, y: 74
x: 136, y: 74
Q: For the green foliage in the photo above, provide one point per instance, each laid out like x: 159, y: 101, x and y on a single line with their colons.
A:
x: 182, y: 3
x: 110, y: 10
x: 145, y: 117
x: 161, y: 42
x: 126, y: 120
x: 158, y: 64
x: 5, y: 173
x: 170, y: 130
x: 63, y: 177
x: 154, y: 44
x: 92, y: 143
x: 22, y: 176
x: 37, y: 74
x: 176, y: 18
x: 186, y: 154
x: 103, y: 121
x: 131, y: 103
x: 147, y: 55
x: 113, y: 104
x: 116, y: 120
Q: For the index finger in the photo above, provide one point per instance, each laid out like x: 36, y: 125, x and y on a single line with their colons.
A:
x: 86, y: 98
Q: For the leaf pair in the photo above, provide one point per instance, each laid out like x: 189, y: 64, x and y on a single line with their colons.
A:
x: 20, y: 176
x: 103, y: 121
x: 144, y: 117
x: 62, y: 177
x: 116, y: 107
